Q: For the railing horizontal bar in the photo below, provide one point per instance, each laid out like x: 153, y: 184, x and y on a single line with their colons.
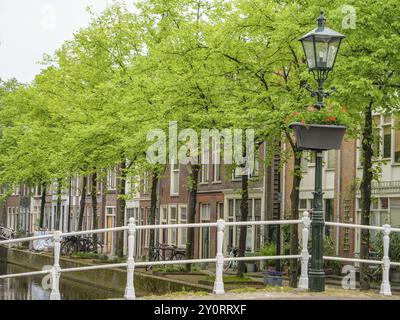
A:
x: 47, y: 236
x: 78, y: 233
x: 262, y: 258
x: 267, y: 222
x: 25, y: 274
x: 395, y: 263
x: 104, y: 266
x: 395, y: 229
x: 170, y: 226
x: 158, y: 263
x: 353, y: 260
x: 355, y: 226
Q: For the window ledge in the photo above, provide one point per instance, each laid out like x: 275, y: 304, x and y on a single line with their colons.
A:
x: 330, y: 169
x: 396, y: 164
x: 219, y: 182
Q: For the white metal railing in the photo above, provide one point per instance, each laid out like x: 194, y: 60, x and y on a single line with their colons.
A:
x: 130, y: 265
x: 385, y: 262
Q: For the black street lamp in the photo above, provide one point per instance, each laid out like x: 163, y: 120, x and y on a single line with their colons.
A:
x: 320, y: 47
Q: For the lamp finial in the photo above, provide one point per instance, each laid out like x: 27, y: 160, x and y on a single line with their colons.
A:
x: 321, y: 20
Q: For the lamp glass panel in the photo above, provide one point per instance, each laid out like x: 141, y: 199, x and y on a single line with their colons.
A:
x: 308, y: 46
x: 332, y: 52
x: 321, y: 49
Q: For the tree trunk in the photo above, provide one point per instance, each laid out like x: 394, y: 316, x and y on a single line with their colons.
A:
x: 42, y: 205
x: 192, y: 204
x: 82, y: 204
x: 152, y: 216
x: 365, y: 188
x: 94, y: 210
x: 244, y: 211
x: 58, y: 213
x: 121, y: 203
x: 294, y: 231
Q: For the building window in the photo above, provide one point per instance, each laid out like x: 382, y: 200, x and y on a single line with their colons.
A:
x: 303, y: 204
x: 397, y: 142
x: 395, y: 212
x: 172, y: 231
x: 205, y: 173
x: 220, y: 210
x: 205, y: 212
x: 182, y: 232
x: 216, y: 163
x: 163, y: 233
x: 111, y: 179
x: 175, y: 179
x: 237, y: 173
x: 205, y: 239
x: 387, y: 141
x: 331, y: 160
x: 253, y: 239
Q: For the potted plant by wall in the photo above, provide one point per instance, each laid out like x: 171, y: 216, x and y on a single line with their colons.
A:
x: 271, y: 276
x: 319, y: 129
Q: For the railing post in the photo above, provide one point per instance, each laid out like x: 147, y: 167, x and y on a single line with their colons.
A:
x: 56, y: 270
x: 130, y: 287
x: 385, y: 286
x: 219, y: 281
x: 303, y: 282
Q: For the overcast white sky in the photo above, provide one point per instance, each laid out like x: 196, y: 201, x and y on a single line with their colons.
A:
x: 30, y: 28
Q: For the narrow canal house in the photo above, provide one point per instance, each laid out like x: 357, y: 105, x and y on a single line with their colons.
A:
x: 218, y: 196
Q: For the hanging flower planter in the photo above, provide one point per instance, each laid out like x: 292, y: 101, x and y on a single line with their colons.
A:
x: 318, y: 136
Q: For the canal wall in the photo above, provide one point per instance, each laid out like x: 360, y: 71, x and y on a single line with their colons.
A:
x: 111, y: 279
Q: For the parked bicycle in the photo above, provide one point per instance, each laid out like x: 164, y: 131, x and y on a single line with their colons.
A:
x: 160, y: 253
x: 233, y: 264
x: 7, y: 233
x: 74, y: 244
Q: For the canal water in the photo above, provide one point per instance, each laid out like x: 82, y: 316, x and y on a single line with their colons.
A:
x: 31, y: 288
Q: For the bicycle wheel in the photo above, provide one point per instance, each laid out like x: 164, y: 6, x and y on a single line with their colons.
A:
x: 227, y: 265
x: 156, y: 257
x: 68, y: 248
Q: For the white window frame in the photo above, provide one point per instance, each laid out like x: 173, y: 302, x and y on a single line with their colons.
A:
x: 174, y: 171
x: 205, y: 173
x: 111, y: 179
x: 182, y: 231
x: 172, y: 234
x: 216, y: 156
x: 251, y: 217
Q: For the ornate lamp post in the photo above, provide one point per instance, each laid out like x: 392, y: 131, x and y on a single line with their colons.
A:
x: 320, y: 48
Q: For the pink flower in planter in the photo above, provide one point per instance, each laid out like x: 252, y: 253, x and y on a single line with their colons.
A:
x: 303, y: 122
